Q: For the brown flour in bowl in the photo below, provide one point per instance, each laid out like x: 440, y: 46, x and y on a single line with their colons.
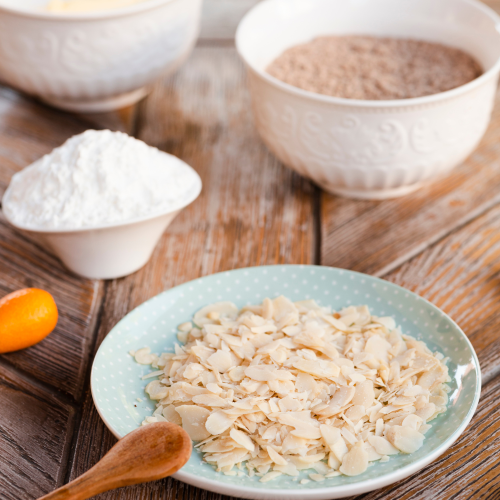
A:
x: 371, y: 68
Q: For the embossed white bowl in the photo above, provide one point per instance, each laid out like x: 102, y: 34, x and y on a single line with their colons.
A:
x: 370, y: 149
x: 94, y: 61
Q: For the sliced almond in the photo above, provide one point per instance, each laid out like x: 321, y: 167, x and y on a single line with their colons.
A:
x: 193, y: 421
x: 242, y: 439
x: 405, y: 439
x: 219, y: 422
x: 355, y: 462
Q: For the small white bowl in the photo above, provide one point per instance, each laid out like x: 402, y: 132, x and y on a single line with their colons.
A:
x: 94, y: 61
x: 370, y: 149
x: 108, y: 251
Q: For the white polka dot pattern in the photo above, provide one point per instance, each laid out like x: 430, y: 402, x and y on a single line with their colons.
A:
x: 116, y: 377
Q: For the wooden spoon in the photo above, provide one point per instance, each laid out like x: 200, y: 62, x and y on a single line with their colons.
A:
x: 146, y: 454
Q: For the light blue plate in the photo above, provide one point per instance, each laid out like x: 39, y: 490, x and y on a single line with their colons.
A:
x: 116, y: 377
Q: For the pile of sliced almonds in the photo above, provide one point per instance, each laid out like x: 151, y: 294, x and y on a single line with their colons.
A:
x: 281, y: 387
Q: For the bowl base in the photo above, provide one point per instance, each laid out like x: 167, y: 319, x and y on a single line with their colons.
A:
x: 98, y: 105
x: 376, y: 194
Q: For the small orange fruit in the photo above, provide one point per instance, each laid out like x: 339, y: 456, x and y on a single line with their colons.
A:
x: 26, y: 317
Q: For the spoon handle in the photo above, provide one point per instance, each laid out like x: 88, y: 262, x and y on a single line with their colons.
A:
x: 98, y: 479
x: 149, y: 453
x: 83, y: 487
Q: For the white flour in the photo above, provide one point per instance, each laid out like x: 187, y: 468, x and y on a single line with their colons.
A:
x: 98, y: 178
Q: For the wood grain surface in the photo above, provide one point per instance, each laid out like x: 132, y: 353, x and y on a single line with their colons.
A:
x: 376, y: 236
x: 62, y: 358
x: 442, y: 242
x: 460, y: 274
x: 35, y: 435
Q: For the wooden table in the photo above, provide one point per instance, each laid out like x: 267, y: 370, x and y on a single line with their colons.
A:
x: 442, y: 242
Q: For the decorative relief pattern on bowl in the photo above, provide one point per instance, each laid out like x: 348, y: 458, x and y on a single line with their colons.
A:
x: 96, y: 59
x: 83, y: 52
x: 427, y: 136
x: 336, y: 146
x: 380, y: 144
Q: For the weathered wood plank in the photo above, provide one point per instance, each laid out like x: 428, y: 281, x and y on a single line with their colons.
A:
x: 121, y: 119
x: 252, y: 210
x: 460, y: 275
x: 62, y: 358
x: 34, y: 444
x: 375, y: 237
x: 467, y: 471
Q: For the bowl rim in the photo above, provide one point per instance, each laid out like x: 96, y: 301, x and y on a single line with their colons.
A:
x: 325, y: 492
x: 112, y: 225
x: 362, y: 103
x: 111, y: 13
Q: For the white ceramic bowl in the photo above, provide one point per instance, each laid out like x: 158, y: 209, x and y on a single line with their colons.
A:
x: 370, y: 149
x: 94, y: 61
x: 108, y: 251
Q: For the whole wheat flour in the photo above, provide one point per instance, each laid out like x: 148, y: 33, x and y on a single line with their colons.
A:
x: 371, y: 68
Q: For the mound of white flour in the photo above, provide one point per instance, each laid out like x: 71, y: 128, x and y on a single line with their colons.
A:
x: 96, y: 178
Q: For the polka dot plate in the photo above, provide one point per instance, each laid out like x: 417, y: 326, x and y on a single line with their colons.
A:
x: 119, y: 396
